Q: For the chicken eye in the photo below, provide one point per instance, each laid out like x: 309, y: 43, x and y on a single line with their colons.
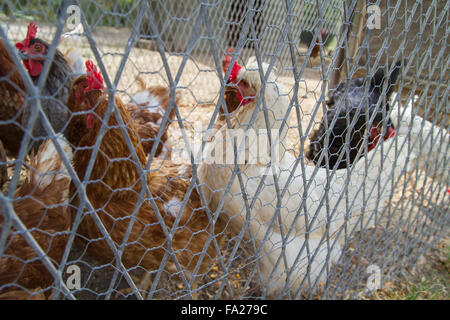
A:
x: 37, y: 48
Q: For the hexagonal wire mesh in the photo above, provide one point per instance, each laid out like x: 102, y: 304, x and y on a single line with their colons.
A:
x: 120, y: 206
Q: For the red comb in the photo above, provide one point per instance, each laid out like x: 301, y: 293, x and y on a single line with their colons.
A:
x: 31, y: 34
x: 234, y: 72
x: 226, y: 61
x: 236, y: 67
x: 94, y: 77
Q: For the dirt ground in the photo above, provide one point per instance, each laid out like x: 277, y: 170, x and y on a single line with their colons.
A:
x: 428, y: 280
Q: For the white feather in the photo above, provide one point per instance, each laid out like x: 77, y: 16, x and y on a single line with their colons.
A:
x: 75, y: 60
x: 173, y: 207
x: 183, y: 169
x: 48, y: 162
x: 146, y: 100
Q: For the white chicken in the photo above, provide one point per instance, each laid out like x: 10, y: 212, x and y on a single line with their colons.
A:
x: 300, y: 217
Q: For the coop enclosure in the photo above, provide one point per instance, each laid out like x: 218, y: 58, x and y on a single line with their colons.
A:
x: 375, y: 218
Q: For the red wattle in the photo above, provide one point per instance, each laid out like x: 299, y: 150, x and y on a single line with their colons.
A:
x: 234, y: 72
x: 390, y: 133
x: 34, y: 67
x: 375, y: 136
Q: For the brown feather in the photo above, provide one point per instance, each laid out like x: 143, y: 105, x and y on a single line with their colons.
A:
x: 12, y: 91
x: 147, y: 127
x: 113, y: 170
x: 147, y: 122
x: 12, y: 98
x: 41, y: 204
x: 232, y: 101
x: 23, y: 295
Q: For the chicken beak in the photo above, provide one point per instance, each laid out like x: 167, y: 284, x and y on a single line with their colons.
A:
x: 390, y: 133
x: 23, y: 55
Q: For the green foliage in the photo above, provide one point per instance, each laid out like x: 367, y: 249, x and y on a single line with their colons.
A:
x: 432, y: 283
x: 115, y: 13
x: 310, y: 9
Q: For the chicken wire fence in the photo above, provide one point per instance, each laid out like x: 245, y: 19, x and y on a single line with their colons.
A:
x: 351, y: 98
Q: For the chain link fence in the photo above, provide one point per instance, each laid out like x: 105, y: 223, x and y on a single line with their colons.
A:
x: 309, y: 162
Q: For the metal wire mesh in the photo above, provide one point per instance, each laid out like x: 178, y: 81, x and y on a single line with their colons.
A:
x: 120, y: 206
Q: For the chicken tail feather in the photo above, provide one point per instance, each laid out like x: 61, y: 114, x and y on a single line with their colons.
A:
x: 47, y: 162
x: 379, y: 78
x: 141, y: 83
x: 75, y: 60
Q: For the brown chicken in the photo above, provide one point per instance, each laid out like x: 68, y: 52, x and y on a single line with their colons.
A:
x: 41, y: 204
x: 56, y: 89
x: 232, y: 95
x: 11, y: 100
x: 12, y: 91
x: 147, y: 108
x: 115, y: 186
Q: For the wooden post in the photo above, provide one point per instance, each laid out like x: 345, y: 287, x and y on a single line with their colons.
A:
x: 351, y: 45
x: 361, y: 18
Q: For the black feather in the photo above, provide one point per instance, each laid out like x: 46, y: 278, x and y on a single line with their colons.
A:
x: 54, y: 96
x: 349, y: 99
